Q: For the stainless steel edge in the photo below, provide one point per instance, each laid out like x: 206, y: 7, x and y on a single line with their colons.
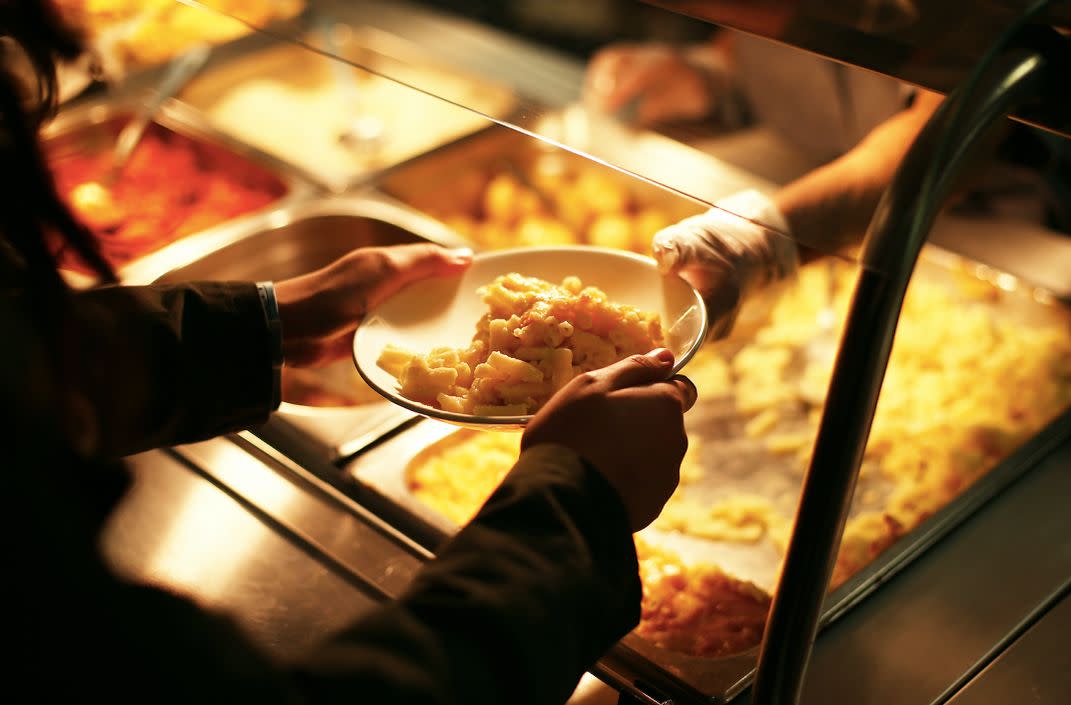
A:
x: 147, y: 268
x: 321, y: 518
x: 309, y: 434
x: 179, y: 529
x: 1035, y: 663
x: 316, y: 482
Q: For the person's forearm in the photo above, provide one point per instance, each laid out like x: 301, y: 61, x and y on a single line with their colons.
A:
x: 168, y: 364
x: 514, y: 609
x: 830, y: 208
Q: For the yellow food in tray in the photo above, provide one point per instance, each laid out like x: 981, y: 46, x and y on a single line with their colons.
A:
x: 560, y: 205
x: 697, y: 610
x: 135, y: 33
x: 945, y: 418
x: 456, y: 475
x: 740, y: 518
x: 535, y: 337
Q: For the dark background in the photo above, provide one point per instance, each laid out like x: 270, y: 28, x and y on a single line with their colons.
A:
x: 578, y: 27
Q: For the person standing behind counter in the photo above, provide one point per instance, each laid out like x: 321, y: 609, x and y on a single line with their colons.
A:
x: 513, y: 609
x: 858, y: 123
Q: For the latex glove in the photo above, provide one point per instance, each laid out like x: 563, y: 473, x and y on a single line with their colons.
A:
x: 725, y: 256
x: 656, y: 83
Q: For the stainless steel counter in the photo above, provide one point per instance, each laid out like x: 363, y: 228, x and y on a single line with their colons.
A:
x: 240, y: 534
x: 982, y: 615
x: 1032, y: 670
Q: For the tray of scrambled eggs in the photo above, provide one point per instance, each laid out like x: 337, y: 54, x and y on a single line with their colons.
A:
x: 944, y: 422
x: 135, y: 35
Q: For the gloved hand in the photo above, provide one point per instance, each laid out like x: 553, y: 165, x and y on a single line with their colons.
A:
x: 650, y: 84
x: 728, y: 252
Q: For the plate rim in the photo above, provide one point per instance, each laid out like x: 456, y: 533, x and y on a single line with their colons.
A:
x: 514, y: 422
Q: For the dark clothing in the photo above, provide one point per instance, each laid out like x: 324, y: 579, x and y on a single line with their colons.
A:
x: 526, y: 597
x: 168, y: 364
x: 514, y: 609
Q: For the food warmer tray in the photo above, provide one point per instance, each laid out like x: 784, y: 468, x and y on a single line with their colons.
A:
x: 415, y: 122
x: 448, y: 175
x: 75, y: 125
x: 647, y: 671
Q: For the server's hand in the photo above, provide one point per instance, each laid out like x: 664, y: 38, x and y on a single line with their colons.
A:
x: 627, y: 420
x: 728, y: 252
x: 319, y: 311
x: 655, y: 83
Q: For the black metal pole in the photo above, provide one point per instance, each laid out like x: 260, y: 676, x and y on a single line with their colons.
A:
x: 893, y: 243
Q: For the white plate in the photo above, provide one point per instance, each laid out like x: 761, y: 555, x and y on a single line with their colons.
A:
x: 443, y: 312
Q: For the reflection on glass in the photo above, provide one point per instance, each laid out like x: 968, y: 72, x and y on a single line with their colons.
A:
x: 336, y: 121
x: 355, y: 34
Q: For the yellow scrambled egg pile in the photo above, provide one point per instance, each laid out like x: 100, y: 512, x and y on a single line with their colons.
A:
x: 552, y: 203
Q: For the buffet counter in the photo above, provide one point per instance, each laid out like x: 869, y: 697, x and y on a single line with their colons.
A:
x: 953, y: 578
x: 302, y: 559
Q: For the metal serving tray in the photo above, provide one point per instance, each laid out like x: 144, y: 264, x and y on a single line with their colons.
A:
x: 293, y: 240
x: 108, y: 57
x: 84, y: 123
x: 413, y: 121
x: 656, y: 674
x: 451, y: 179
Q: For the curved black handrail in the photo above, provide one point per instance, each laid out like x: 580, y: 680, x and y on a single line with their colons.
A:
x: 894, y: 241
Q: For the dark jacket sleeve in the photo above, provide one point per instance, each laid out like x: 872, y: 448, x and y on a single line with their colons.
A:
x: 168, y: 364
x: 514, y: 609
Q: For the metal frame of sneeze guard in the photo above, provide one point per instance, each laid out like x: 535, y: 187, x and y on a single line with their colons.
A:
x: 687, y: 173
x: 1020, y: 74
x: 933, y: 44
